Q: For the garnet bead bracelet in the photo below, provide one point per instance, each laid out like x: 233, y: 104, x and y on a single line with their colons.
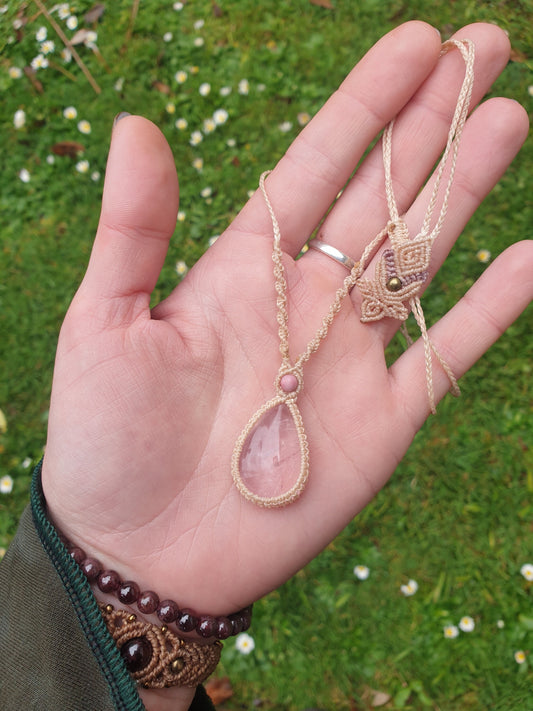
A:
x: 128, y: 593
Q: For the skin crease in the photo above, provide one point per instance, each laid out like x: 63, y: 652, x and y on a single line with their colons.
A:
x: 146, y: 405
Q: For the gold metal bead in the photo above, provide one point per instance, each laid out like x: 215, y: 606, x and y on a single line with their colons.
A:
x: 164, y: 629
x: 109, y: 609
x: 394, y: 284
x: 177, y: 665
x: 132, y: 617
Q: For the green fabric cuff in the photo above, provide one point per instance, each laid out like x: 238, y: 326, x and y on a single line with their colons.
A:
x: 121, y: 686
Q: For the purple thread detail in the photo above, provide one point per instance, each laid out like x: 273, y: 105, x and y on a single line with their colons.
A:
x: 390, y: 265
x: 422, y: 276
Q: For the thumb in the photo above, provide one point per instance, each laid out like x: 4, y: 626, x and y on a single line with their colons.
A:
x: 138, y: 217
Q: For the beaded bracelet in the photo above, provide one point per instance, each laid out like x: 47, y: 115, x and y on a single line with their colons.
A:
x: 154, y: 656
x: 129, y: 592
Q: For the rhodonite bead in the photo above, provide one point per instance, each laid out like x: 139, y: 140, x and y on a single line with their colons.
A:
x: 206, y: 626
x: 186, y: 621
x: 108, y: 581
x: 147, y: 602
x: 223, y: 628
x: 128, y: 592
x: 91, y: 568
x: 137, y: 654
x: 167, y: 611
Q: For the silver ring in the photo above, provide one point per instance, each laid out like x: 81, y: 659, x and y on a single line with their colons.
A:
x: 333, y: 252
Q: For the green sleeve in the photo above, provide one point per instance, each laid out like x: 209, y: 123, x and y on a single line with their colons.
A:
x: 55, y: 650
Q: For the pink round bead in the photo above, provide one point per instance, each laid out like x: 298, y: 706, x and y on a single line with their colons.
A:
x: 289, y: 383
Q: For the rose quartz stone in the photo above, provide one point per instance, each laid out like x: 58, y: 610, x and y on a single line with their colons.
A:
x: 270, y: 458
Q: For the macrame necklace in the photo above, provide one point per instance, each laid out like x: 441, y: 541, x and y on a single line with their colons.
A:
x: 273, y: 443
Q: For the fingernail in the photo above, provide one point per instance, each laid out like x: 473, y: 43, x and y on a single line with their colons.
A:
x: 119, y: 116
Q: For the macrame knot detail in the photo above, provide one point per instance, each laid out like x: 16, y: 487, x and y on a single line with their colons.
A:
x: 155, y: 657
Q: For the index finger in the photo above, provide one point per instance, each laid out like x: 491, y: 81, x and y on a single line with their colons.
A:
x: 321, y: 159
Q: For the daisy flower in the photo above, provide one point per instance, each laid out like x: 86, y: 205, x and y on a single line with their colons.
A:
x: 212, y: 240
x: 220, y: 116
x: 6, y: 484
x: 198, y: 164
x: 24, y: 175
x: 167, y: 37
x: 500, y: 624
x: 451, y: 631
x: 181, y: 268
x: 530, y: 90
x: 196, y: 138
x: 231, y: 143
x: 39, y: 62
x: 178, y: 6
x: 26, y: 463
x: 95, y: 176
x: 198, y: 24
x: 19, y: 118
x: 361, y: 572
x: 66, y: 55
x: 70, y: 112
x: 483, y: 255
x: 63, y: 11
x: 206, y: 192
x: 410, y: 588
x: 225, y: 91
x: 199, y: 42
x: 84, y: 126
x: 244, y: 87
x: 41, y: 33
x: 15, y: 72
x: 303, y: 118
x: 47, y: 47
x: 181, y: 124
x: 527, y: 571
x: 244, y: 643
x: 181, y: 215
x: 82, y: 166
x: 72, y: 22
x: 520, y: 657
x: 209, y: 125
x: 119, y: 84
x: 466, y: 624
x: 285, y: 126
x: 170, y: 108
x: 204, y: 89
x: 180, y: 76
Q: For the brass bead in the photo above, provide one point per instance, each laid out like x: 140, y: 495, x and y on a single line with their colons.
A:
x: 394, y: 284
x: 109, y: 609
x: 177, y: 665
x: 132, y: 618
x: 164, y: 629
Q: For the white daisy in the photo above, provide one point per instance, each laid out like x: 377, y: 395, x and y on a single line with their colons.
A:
x: 244, y: 643
x: 466, y: 624
x: 19, y: 118
x: 410, y: 588
x: 361, y: 572
x: 6, y: 484
x: 527, y: 571
x: 70, y: 112
x: 451, y: 631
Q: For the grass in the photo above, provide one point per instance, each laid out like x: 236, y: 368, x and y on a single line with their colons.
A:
x: 458, y: 515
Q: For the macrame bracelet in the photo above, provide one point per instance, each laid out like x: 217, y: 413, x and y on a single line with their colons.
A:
x: 128, y: 592
x: 157, y: 658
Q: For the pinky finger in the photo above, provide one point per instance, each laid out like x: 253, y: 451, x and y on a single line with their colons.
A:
x: 468, y: 330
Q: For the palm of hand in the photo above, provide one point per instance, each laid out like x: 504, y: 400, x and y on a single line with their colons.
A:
x: 147, y: 405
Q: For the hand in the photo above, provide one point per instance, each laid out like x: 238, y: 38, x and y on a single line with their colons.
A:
x: 147, y: 405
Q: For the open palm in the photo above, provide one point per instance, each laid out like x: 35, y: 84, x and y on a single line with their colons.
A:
x: 147, y: 404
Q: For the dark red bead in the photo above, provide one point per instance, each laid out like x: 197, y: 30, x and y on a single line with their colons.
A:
x: 237, y: 623
x: 128, y: 592
x: 224, y: 628
x: 147, y: 602
x: 167, y: 611
x: 246, y: 618
x: 78, y: 555
x: 91, y: 569
x: 186, y: 621
x: 206, y: 626
x: 108, y: 581
x: 137, y: 654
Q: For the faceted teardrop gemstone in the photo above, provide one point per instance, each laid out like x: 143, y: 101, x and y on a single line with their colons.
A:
x: 271, y: 460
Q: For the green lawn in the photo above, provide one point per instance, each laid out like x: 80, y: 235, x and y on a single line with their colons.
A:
x: 457, y: 516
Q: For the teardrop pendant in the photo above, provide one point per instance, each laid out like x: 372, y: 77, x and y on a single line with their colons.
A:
x: 270, y: 462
